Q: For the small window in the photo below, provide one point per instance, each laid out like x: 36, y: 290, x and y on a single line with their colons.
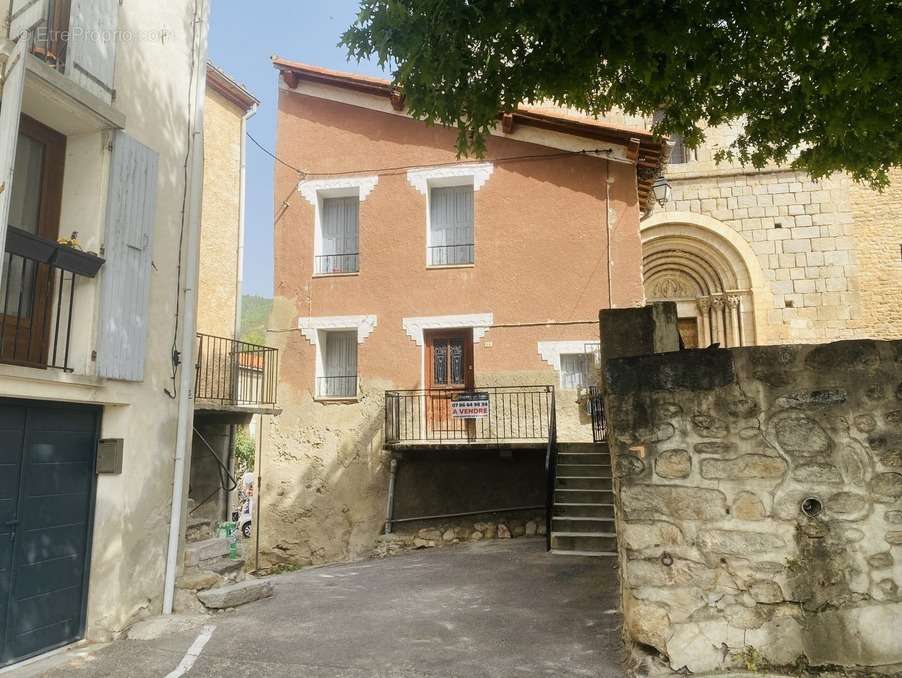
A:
x: 574, y: 371
x: 451, y: 240
x: 337, y: 248
x: 337, y: 376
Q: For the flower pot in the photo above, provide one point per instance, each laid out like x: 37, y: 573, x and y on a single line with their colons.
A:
x: 75, y: 261
x: 24, y: 244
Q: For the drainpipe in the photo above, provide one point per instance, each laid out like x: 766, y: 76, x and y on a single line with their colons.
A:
x: 607, y: 229
x: 189, y: 322
x: 242, y: 194
x: 390, y: 511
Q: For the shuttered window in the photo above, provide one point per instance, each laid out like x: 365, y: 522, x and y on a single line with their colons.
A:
x: 451, y: 226
x: 574, y: 370
x: 339, y: 364
x: 128, y: 239
x: 338, y: 242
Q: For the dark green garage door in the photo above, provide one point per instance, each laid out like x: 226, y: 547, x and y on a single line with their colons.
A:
x: 47, y: 457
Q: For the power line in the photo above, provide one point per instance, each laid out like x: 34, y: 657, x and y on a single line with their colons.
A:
x: 404, y: 168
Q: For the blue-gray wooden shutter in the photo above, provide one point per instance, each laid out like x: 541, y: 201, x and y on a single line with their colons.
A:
x: 91, y: 59
x: 24, y: 15
x: 451, y: 223
x: 125, y: 288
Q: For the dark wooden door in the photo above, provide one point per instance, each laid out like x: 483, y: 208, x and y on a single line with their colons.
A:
x: 449, y: 370
x: 47, y: 468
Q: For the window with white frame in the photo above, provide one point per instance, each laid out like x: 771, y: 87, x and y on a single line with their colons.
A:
x: 337, y: 365
x: 575, y: 370
x: 451, y: 237
x: 337, y: 242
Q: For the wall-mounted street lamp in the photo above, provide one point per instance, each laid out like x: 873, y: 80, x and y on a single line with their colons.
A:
x: 661, y: 190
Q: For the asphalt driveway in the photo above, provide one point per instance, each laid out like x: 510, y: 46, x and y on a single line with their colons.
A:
x: 497, y: 609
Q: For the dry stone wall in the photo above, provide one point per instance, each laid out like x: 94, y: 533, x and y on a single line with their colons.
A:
x: 760, y: 503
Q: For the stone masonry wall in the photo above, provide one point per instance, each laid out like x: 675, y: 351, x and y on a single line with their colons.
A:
x: 878, y: 235
x: 760, y: 503
x: 801, y: 232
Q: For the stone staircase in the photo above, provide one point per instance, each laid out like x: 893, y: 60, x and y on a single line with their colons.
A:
x: 582, y: 521
x: 210, y: 578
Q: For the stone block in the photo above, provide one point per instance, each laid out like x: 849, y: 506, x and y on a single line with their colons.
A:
x: 681, y: 503
x: 647, y: 623
x: 737, y: 542
x: 856, y: 636
x: 766, y: 591
x: 746, y: 467
x: 198, y: 580
x: 198, y: 552
x: 673, y: 464
x: 881, y: 561
x: 748, y: 506
x: 847, y: 505
x: 886, y: 487
x: 237, y: 594
x: 817, y: 474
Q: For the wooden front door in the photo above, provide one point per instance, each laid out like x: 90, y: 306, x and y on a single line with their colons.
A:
x: 27, y: 287
x: 449, y: 370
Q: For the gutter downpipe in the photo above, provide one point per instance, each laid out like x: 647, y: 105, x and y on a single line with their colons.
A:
x: 242, y: 196
x: 189, y: 323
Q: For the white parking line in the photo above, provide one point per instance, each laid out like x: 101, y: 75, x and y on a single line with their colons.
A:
x: 193, y: 652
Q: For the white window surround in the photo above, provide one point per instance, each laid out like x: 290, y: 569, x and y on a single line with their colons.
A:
x: 342, y: 187
x: 364, y: 324
x: 424, y: 179
x: 480, y: 322
x: 551, y: 351
x: 450, y: 175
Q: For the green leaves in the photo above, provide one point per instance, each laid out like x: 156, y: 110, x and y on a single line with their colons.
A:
x: 815, y: 82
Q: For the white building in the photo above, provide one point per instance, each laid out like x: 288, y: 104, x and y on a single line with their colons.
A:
x: 99, y: 135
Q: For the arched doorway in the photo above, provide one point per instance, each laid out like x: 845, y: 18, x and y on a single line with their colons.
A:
x: 710, y: 272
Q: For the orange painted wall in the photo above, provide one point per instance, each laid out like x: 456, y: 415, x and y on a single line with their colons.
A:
x: 541, y: 246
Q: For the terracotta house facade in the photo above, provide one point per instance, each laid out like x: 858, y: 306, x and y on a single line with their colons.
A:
x: 403, y: 272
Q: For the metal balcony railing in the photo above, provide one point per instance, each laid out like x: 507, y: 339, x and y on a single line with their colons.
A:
x: 452, y: 255
x: 37, y: 299
x: 485, y: 415
x: 330, y: 264
x: 235, y: 373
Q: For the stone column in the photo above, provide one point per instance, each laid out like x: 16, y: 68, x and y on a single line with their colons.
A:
x: 718, y: 331
x: 734, y: 309
x: 704, y: 307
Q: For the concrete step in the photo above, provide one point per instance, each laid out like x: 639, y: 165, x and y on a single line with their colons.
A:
x: 583, y: 458
x: 602, y: 470
x: 597, y: 542
x: 583, y: 483
x: 234, y: 595
x: 590, y: 554
x: 570, y: 509
x: 582, y: 524
x: 583, y: 496
x: 591, y: 448
x: 208, y: 549
x: 198, y: 529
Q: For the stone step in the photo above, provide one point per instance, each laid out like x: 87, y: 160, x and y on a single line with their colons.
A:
x: 597, y: 542
x: 590, y: 554
x: 582, y: 524
x: 199, y: 529
x: 583, y: 496
x: 234, y: 595
x: 208, y: 549
x: 583, y: 510
x: 583, y: 483
x: 231, y: 570
x: 602, y: 470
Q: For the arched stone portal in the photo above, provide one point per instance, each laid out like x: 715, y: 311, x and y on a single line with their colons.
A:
x: 710, y: 272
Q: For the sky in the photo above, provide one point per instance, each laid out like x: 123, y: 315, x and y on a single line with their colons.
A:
x: 243, y: 36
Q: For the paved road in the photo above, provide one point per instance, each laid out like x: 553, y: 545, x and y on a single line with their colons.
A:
x: 494, y: 610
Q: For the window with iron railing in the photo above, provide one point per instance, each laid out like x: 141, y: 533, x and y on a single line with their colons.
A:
x: 451, y: 232
x: 337, y: 374
x: 337, y: 250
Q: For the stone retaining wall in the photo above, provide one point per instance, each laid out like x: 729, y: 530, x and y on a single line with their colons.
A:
x: 760, y: 503
x: 448, y: 533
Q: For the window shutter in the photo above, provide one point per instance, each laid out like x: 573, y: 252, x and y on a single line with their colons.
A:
x: 24, y: 15
x: 340, y: 225
x: 92, y: 45
x: 10, y: 109
x: 451, y: 223
x: 340, y: 364
x: 125, y: 293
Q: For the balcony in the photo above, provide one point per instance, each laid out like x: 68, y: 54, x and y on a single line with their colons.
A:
x: 37, y: 299
x: 486, y: 417
x: 235, y: 376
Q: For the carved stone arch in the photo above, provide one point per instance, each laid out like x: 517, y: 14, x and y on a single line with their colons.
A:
x: 712, y: 274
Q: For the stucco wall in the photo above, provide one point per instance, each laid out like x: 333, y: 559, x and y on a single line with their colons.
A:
x: 541, y: 258
x: 716, y: 454
x: 219, y: 232
x: 878, y: 235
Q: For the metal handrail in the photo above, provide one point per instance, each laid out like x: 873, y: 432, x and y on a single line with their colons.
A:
x: 596, y: 411
x: 347, y: 262
x: 228, y: 482
x: 515, y: 414
x: 550, y: 473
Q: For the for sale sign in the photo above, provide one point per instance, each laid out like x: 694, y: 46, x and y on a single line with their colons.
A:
x: 470, y: 406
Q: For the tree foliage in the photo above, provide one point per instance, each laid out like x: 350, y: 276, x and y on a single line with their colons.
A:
x: 816, y: 82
